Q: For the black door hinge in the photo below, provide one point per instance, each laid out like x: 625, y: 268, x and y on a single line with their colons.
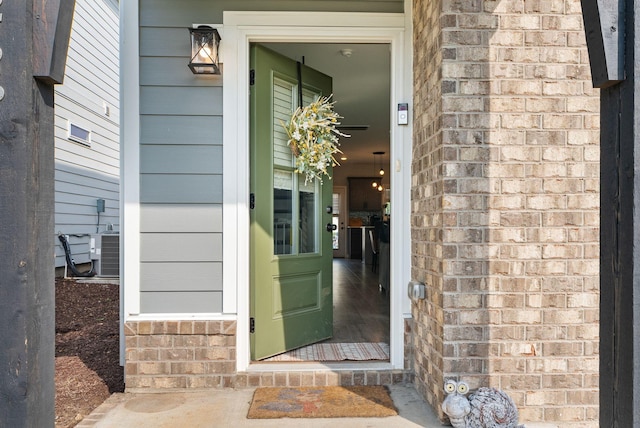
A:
x: 252, y: 77
x: 252, y: 201
x: 252, y: 325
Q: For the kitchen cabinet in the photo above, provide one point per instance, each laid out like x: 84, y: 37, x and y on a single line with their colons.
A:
x: 355, y: 243
x: 359, y: 244
x: 362, y: 196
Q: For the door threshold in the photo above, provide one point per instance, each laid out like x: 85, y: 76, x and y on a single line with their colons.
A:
x: 257, y: 366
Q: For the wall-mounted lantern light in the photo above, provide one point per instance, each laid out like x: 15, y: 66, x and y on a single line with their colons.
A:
x: 205, y: 42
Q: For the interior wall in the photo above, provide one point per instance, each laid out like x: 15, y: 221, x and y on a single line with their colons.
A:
x: 346, y: 169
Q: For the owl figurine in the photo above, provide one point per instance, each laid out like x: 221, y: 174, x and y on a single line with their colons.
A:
x: 485, y: 408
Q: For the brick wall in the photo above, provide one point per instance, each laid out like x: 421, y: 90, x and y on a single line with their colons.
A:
x: 427, y: 217
x: 180, y: 354
x: 505, y: 204
x: 202, y: 354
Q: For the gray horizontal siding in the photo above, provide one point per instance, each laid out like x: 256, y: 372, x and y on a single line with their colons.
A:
x: 181, y: 302
x: 180, y: 159
x: 173, y: 71
x: 187, y: 101
x: 206, y: 130
x: 76, y: 192
x: 85, y: 216
x: 92, y: 115
x: 170, y: 13
x: 183, y: 276
x: 84, y: 174
x: 181, y: 177
x: 181, y: 247
x: 180, y: 189
x: 79, y: 247
x: 191, y: 218
x: 165, y: 42
x: 96, y: 26
x: 90, y: 178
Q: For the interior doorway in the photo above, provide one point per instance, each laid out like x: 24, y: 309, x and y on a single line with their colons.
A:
x: 339, y: 220
x: 361, y: 304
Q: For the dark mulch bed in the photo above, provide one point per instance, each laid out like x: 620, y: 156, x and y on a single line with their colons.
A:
x: 87, y: 348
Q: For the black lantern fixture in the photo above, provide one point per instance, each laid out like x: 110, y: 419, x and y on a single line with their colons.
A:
x: 205, y: 42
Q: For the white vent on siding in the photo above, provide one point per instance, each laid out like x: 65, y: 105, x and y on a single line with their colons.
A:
x: 79, y: 134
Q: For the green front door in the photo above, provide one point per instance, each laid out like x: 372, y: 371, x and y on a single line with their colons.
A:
x: 291, y: 251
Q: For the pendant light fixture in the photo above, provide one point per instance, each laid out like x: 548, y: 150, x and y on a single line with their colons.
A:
x: 377, y: 159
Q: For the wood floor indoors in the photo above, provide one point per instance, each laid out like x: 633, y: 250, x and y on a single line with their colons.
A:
x: 360, y: 311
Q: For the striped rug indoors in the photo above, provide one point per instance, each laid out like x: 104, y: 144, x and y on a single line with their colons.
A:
x: 336, y: 352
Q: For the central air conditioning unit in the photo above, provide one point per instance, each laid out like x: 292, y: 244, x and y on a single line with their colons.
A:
x: 105, y: 254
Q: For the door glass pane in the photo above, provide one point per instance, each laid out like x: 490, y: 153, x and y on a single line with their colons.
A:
x: 282, y: 212
x: 308, y: 95
x: 308, y: 202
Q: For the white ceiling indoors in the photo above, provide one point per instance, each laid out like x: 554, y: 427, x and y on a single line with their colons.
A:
x: 361, y: 90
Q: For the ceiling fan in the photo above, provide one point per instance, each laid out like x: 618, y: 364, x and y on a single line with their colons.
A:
x: 352, y: 127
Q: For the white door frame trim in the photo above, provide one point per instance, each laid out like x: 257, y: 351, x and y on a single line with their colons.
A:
x: 242, y: 28
x: 129, y: 161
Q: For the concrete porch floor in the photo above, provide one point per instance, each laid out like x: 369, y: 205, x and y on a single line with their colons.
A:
x: 229, y: 407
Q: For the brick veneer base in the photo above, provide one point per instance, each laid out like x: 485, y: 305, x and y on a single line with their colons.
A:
x: 180, y: 354
x: 324, y: 378
x: 202, y: 354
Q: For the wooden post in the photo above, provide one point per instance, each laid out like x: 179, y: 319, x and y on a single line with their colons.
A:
x: 27, y: 298
x: 605, y: 26
x: 619, y: 211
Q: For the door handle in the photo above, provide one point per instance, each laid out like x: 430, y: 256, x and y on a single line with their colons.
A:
x: 331, y: 227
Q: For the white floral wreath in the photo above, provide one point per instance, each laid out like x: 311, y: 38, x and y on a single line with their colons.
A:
x: 313, y: 138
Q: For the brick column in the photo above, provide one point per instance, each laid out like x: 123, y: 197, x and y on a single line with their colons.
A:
x: 427, y: 216
x: 505, y: 204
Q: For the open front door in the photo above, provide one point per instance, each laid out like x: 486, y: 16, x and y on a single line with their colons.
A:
x: 291, y: 249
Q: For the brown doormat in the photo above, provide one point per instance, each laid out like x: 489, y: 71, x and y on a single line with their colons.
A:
x: 322, y: 402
